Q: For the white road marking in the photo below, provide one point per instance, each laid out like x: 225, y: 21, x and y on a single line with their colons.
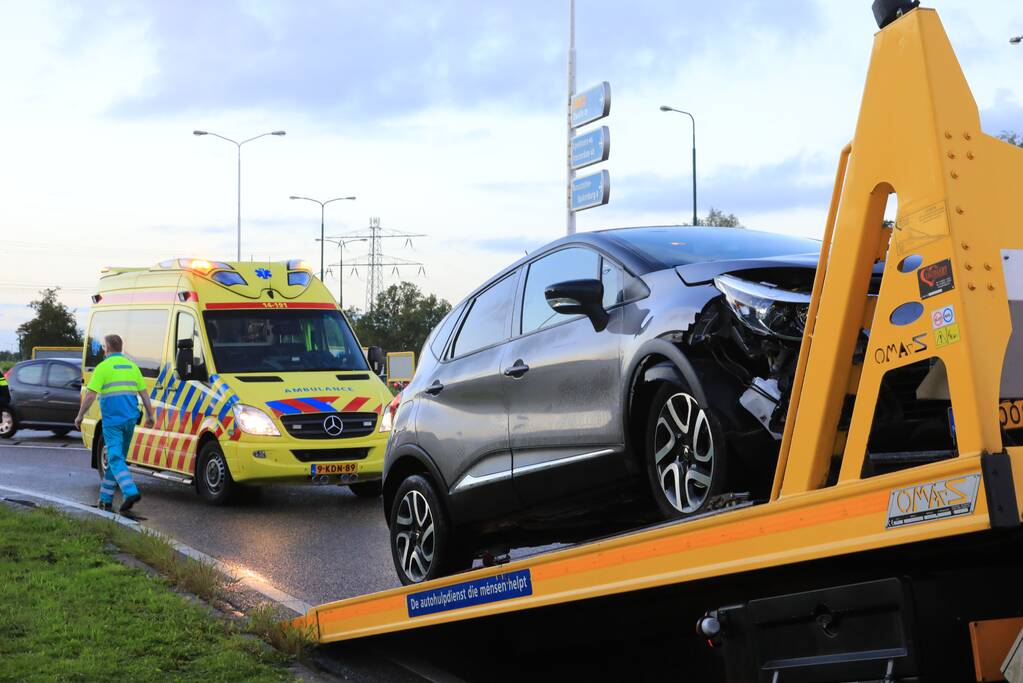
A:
x: 238, y: 572
x: 48, y: 448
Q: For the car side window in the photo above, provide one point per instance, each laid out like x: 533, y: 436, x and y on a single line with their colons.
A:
x: 31, y: 374
x: 443, y: 333
x: 61, y: 375
x: 487, y: 321
x: 611, y: 277
x: 574, y: 263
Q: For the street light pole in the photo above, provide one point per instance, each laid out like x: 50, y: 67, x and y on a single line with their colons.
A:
x: 323, y: 206
x: 341, y: 265
x: 665, y: 107
x: 239, y: 146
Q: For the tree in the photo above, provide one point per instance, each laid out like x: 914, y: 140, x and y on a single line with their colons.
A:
x: 1012, y: 137
x: 54, y: 325
x: 721, y: 219
x: 401, y: 319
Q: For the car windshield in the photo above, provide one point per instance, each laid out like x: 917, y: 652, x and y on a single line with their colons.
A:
x: 682, y: 245
x: 282, y: 341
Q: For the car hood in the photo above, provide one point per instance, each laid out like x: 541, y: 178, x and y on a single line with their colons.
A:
x: 702, y: 273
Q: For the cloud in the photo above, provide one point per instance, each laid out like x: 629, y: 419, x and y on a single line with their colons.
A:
x: 1005, y: 116
x: 381, y: 60
x: 803, y: 181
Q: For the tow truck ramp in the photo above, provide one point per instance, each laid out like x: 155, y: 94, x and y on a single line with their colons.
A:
x: 847, y: 571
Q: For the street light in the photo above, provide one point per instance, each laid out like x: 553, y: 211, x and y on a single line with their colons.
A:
x: 665, y: 107
x: 322, y: 205
x: 341, y: 264
x: 1016, y: 40
x: 237, y: 144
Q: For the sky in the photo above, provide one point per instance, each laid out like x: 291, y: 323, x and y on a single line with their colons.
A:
x: 445, y: 118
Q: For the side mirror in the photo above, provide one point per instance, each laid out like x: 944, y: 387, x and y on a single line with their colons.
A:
x: 185, y: 359
x: 377, y: 359
x: 579, y: 297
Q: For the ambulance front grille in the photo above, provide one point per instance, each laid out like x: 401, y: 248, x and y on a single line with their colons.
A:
x: 315, y: 425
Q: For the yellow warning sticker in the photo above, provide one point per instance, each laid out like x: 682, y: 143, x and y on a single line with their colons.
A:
x: 944, y: 336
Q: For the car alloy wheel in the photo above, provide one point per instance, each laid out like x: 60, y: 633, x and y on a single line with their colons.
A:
x: 6, y: 423
x: 104, y: 460
x: 684, y: 452
x: 414, y: 538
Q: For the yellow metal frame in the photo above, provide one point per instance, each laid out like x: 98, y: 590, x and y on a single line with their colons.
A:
x: 36, y: 349
x: 918, y: 135
x: 400, y: 354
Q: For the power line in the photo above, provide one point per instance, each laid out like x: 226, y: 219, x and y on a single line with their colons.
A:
x: 376, y: 260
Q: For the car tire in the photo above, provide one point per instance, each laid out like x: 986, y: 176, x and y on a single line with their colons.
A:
x: 63, y: 431
x: 367, y: 489
x: 101, y: 454
x: 685, y: 454
x: 213, y: 477
x: 8, y: 424
x: 423, y: 545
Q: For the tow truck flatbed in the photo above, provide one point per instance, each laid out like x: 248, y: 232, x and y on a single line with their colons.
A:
x: 919, y: 136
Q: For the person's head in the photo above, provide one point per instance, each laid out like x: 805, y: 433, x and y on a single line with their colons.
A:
x: 112, y: 343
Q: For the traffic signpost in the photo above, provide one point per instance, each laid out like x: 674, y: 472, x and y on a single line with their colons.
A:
x: 591, y: 148
x: 591, y: 105
x: 591, y: 190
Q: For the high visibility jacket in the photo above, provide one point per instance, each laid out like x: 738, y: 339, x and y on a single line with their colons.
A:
x: 117, y: 380
x: 5, y: 391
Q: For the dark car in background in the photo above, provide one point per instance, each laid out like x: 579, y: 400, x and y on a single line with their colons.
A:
x: 45, y: 394
x: 644, y: 366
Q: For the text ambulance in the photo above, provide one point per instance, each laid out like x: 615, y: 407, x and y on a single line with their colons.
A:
x: 254, y: 373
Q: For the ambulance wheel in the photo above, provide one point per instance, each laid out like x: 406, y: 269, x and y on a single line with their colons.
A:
x: 423, y: 546
x: 367, y: 489
x: 686, y: 454
x: 212, y: 476
x: 101, y: 454
x: 8, y: 424
x: 63, y: 431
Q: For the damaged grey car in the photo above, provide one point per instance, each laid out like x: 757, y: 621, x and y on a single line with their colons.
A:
x: 609, y: 379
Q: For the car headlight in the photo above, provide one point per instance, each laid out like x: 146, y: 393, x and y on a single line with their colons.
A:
x: 764, y: 309
x: 253, y: 421
x: 387, y: 419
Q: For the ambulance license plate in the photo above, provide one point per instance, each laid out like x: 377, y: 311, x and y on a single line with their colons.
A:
x: 334, y: 468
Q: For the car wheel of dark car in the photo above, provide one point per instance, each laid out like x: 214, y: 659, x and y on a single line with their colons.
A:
x: 423, y: 546
x: 212, y: 476
x: 367, y: 489
x: 8, y: 424
x: 686, y: 454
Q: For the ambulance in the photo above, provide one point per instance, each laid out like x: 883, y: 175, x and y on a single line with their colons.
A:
x: 254, y: 374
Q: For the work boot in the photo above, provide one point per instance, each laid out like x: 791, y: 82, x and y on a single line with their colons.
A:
x: 105, y: 506
x: 130, y: 501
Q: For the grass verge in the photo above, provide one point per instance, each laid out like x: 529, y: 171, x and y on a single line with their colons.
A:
x: 71, y: 612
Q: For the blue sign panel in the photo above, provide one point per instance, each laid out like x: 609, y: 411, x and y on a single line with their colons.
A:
x: 592, y: 104
x: 591, y: 148
x: 591, y: 190
x: 468, y: 593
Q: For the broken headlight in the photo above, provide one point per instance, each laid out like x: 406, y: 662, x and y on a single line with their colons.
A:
x: 766, y: 309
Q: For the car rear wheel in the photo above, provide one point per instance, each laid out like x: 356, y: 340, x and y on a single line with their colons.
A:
x: 423, y: 545
x: 367, y: 489
x: 686, y: 455
x: 213, y: 477
x: 8, y: 425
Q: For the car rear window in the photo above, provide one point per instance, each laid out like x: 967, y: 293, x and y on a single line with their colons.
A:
x: 681, y: 245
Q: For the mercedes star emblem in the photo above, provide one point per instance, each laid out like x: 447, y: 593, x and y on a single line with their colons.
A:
x: 333, y: 425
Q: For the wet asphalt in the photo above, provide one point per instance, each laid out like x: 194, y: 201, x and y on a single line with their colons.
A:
x: 318, y: 543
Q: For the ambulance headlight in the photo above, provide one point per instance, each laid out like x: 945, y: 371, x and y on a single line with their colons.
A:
x: 253, y: 421
x: 387, y: 418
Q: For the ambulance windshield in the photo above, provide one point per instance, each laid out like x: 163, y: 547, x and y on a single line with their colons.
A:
x: 269, y: 340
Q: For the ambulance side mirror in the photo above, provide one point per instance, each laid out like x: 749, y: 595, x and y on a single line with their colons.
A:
x: 185, y: 359
x: 377, y: 360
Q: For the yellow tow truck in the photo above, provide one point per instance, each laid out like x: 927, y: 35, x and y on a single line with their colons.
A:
x: 846, y: 572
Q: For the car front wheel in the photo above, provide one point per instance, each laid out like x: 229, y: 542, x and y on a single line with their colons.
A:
x: 8, y: 425
x: 423, y: 546
x: 686, y: 457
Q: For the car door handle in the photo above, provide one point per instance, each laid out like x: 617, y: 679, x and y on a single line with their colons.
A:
x: 46, y: 394
x: 517, y: 370
x: 435, y: 388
